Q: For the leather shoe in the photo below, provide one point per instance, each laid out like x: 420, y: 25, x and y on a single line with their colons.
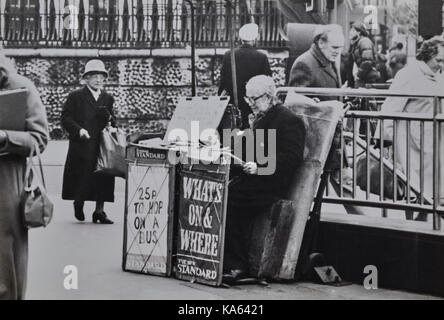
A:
x: 100, y: 217
x: 233, y: 275
x: 78, y: 213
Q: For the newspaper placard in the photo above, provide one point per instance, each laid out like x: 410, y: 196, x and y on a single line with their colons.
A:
x: 200, y: 237
x: 148, y: 220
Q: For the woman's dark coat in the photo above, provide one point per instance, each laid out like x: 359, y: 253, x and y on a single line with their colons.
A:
x: 80, y: 182
x: 13, y: 235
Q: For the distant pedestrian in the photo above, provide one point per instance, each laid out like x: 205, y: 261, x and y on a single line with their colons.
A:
x: 249, y: 63
x: 15, y: 146
x: 422, y: 76
x: 382, y: 65
x: 85, y: 114
x: 398, y: 58
x: 317, y: 67
x: 363, y: 57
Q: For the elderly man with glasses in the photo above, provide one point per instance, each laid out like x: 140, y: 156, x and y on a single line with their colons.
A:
x: 279, y: 135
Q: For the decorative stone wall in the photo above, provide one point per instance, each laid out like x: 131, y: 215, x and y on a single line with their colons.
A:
x: 146, y: 89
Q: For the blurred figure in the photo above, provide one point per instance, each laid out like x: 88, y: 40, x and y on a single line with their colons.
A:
x: 398, y: 58
x: 422, y: 76
x: 15, y: 146
x: 382, y: 65
x: 362, y: 66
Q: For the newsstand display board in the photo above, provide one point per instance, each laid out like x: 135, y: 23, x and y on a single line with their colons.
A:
x: 149, y: 211
x: 201, y: 223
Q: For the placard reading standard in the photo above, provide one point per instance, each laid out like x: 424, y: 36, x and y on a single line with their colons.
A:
x: 200, y: 239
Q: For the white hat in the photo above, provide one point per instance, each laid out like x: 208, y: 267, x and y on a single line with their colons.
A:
x: 249, y: 32
x: 95, y: 66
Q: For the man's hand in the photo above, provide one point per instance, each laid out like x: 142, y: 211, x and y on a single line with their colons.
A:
x: 84, y: 134
x: 2, y: 137
x: 250, y: 167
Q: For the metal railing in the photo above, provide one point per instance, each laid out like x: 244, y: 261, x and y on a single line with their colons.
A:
x: 409, y: 190
x: 132, y: 23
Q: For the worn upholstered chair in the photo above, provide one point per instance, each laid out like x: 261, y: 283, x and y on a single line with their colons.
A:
x: 278, y: 234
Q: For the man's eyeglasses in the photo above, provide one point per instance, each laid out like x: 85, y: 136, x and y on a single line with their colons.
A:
x: 253, y: 100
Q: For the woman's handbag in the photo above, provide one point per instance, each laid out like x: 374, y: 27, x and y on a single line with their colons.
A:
x: 361, y: 178
x: 111, y: 159
x: 35, y: 205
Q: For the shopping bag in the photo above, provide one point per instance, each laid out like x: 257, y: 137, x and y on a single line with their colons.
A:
x: 361, y: 178
x: 111, y: 158
x: 35, y: 206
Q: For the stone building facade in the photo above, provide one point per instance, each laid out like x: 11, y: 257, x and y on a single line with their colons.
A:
x: 146, y: 85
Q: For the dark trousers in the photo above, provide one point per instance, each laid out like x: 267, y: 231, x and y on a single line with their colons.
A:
x: 239, y: 227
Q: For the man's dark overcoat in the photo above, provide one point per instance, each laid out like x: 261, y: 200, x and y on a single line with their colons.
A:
x: 80, y: 182
x: 312, y: 69
x: 263, y: 190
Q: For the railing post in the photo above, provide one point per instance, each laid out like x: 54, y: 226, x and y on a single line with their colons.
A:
x: 146, y: 20
x: 395, y: 147
x: 408, y: 162
x: 193, y: 51
x: 233, y: 60
x: 367, y: 166
x: 355, y: 135
x: 436, y: 216
x: 381, y: 166
x: 2, y: 20
x: 86, y: 7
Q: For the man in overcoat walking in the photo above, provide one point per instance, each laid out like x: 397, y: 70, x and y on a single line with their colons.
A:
x: 316, y: 68
x: 249, y: 63
x: 85, y: 114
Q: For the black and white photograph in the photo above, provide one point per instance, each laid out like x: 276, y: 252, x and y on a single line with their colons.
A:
x: 221, y: 154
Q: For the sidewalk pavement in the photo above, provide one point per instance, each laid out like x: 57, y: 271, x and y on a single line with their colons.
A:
x: 96, y: 252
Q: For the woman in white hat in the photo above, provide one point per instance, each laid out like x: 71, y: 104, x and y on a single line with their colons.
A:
x: 85, y: 113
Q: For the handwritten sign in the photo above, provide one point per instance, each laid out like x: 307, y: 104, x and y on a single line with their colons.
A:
x: 148, y: 219
x: 202, y: 206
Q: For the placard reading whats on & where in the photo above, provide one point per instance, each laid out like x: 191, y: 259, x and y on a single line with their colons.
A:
x: 201, y: 229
